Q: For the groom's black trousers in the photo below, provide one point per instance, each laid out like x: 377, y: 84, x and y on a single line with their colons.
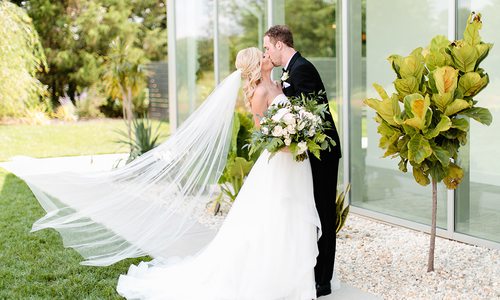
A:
x: 325, y: 190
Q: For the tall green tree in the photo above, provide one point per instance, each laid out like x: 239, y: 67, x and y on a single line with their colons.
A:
x: 124, y: 78
x: 77, y: 35
x: 436, y: 87
x: 21, y: 59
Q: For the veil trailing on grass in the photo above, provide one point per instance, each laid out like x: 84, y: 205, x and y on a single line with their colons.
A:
x: 151, y: 206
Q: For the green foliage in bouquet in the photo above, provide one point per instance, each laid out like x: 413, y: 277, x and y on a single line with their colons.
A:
x: 239, y: 160
x: 436, y: 87
x: 298, y: 125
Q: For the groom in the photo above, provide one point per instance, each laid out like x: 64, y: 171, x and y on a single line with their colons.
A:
x: 300, y: 76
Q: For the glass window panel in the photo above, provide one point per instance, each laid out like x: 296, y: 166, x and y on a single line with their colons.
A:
x: 315, y: 35
x: 241, y: 25
x: 194, y: 50
x: 477, y: 210
x: 377, y: 30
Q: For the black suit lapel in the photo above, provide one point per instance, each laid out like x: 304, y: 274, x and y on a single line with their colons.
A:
x: 293, y: 60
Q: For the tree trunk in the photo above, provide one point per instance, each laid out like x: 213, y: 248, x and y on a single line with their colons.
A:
x: 127, y: 110
x: 430, y: 265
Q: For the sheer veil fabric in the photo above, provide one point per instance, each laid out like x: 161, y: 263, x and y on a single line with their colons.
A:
x: 150, y: 206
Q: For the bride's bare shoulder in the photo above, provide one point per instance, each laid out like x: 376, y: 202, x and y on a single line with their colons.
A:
x: 259, y: 96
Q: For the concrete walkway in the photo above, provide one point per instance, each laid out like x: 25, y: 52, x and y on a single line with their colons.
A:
x: 28, y: 165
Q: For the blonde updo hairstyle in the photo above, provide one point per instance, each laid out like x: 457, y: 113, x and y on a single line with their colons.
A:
x: 248, y: 61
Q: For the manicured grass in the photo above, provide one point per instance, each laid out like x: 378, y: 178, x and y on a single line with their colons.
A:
x: 64, y: 139
x: 36, y: 265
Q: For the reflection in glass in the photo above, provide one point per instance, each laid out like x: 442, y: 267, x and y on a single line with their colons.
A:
x: 378, y: 184
x: 195, y: 51
x: 478, y: 203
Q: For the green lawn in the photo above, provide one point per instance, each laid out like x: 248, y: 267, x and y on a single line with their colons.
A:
x: 36, y: 265
x: 64, y: 139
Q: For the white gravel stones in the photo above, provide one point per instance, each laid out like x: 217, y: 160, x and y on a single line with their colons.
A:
x: 391, y: 262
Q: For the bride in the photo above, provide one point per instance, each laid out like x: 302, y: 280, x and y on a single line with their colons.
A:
x: 267, y: 246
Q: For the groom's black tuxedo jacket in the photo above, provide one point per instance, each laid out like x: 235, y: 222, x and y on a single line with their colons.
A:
x: 304, y: 78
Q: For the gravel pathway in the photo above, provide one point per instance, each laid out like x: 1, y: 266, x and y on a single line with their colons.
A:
x: 391, y: 262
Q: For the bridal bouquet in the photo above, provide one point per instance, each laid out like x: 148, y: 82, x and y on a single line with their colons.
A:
x: 298, y: 124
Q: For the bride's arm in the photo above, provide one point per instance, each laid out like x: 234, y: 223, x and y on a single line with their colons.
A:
x: 259, y: 105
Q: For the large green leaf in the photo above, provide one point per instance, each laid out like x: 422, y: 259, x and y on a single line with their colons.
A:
x: 464, y: 57
x: 419, y: 149
x: 406, y: 86
x: 417, y: 107
x: 480, y: 114
x: 387, y: 108
x: 470, y: 84
x: 442, y: 155
x: 239, y: 167
x: 403, y: 165
x: 471, y: 33
x: 395, y: 61
x: 482, y: 51
x: 456, y: 106
x: 412, y: 65
x: 460, y: 124
x: 443, y: 125
x: 434, y: 60
x: 420, y: 176
x: 454, y: 176
x: 446, y: 79
x: 442, y: 100
x: 438, y: 42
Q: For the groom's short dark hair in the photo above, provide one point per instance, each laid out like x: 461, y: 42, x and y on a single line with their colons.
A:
x: 280, y: 33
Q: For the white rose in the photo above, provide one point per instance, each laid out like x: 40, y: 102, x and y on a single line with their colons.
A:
x: 291, y: 129
x: 312, y: 132
x: 265, y: 130
x: 288, y: 142
x: 279, y: 114
x: 277, y: 131
x: 289, y: 119
x: 302, y: 147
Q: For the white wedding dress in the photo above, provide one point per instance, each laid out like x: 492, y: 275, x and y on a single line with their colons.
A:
x: 265, y: 250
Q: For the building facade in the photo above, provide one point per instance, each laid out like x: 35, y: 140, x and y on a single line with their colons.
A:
x: 349, y: 42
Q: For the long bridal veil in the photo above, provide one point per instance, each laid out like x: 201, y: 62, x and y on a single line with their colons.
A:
x: 150, y: 206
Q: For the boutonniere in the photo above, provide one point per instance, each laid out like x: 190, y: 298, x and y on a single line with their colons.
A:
x: 285, y: 76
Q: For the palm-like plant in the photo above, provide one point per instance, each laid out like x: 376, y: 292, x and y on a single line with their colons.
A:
x: 124, y: 78
x: 144, y: 137
x: 342, y: 209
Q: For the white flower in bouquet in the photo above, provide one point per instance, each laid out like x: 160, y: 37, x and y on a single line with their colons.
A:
x: 278, y: 131
x: 312, y: 132
x: 289, y: 119
x: 302, y: 147
x: 265, y: 130
x: 295, y: 124
x: 301, y: 125
x: 279, y: 114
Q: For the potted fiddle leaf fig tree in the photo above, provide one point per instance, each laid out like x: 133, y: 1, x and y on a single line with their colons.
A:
x: 427, y: 120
